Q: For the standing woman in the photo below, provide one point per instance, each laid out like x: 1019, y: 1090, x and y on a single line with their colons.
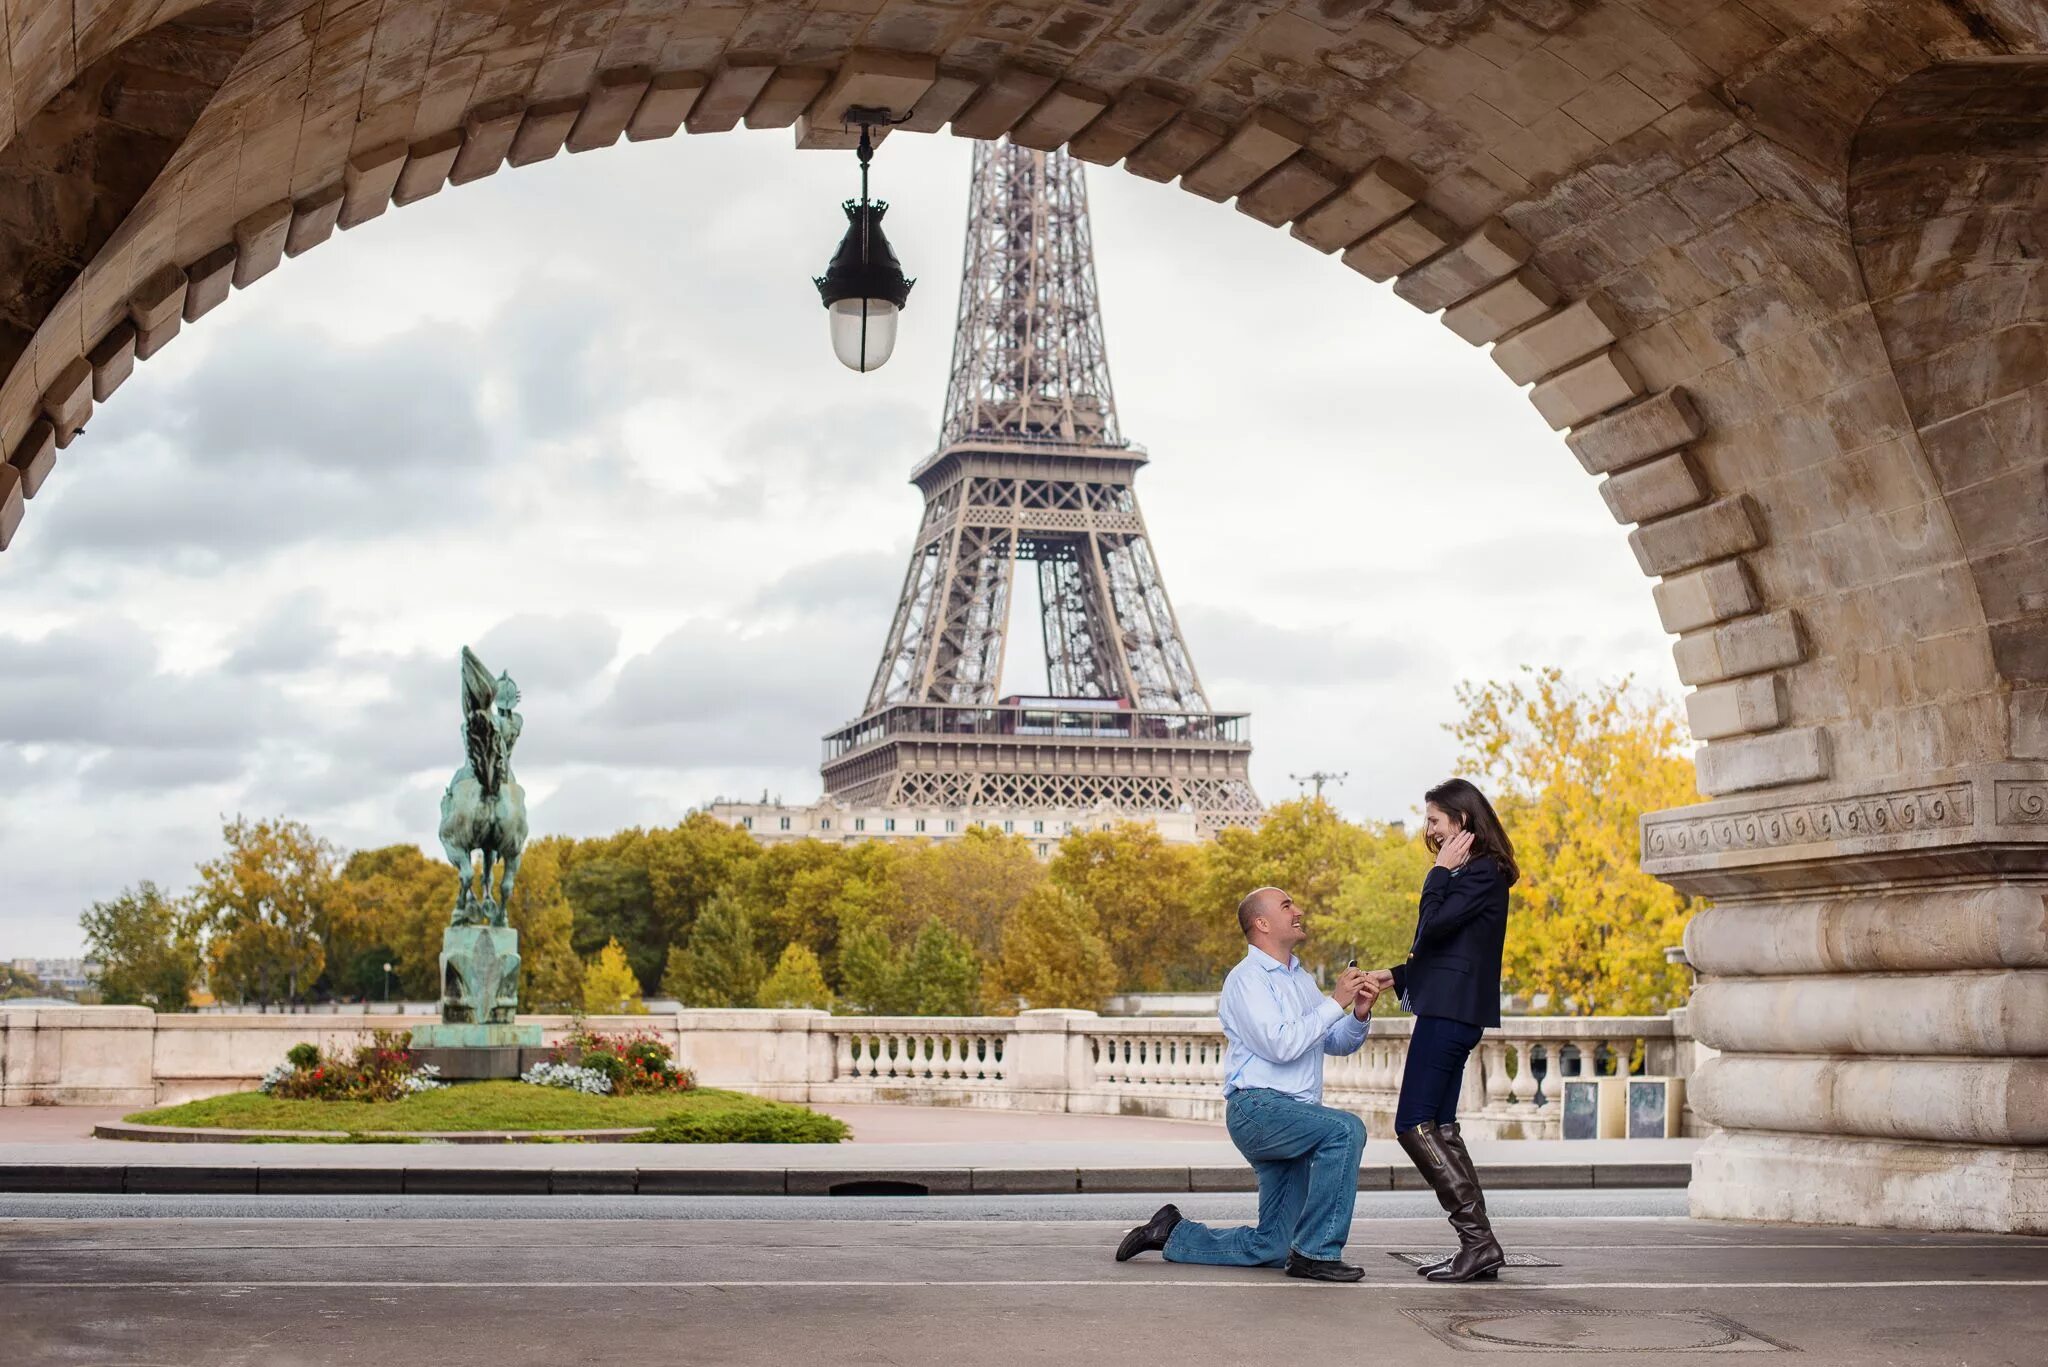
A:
x: 1452, y: 983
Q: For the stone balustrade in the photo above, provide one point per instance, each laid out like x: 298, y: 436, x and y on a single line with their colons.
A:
x: 1037, y: 1061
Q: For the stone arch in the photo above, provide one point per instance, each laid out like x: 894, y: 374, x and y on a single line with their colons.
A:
x: 1672, y: 220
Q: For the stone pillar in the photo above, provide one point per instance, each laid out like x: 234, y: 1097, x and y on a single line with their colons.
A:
x: 1874, y: 975
x: 1040, y: 1062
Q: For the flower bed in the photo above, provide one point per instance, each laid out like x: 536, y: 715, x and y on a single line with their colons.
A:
x: 621, y: 1065
x: 384, y: 1068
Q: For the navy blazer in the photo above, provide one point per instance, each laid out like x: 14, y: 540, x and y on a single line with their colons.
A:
x: 1453, y: 968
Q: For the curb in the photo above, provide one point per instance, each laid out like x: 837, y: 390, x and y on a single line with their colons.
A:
x: 285, y: 1179
x: 180, y: 1134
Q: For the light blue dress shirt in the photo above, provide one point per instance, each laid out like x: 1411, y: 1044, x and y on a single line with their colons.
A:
x: 1280, y: 1025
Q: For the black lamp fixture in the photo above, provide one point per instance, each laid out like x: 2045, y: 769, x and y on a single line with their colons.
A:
x: 864, y: 288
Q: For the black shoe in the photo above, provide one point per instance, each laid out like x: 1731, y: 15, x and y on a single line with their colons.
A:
x: 1150, y: 1236
x: 1322, y: 1269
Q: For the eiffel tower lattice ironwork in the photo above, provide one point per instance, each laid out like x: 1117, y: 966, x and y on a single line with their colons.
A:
x: 1031, y: 466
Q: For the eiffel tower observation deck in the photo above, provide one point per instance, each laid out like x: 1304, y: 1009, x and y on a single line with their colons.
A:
x: 1032, y: 467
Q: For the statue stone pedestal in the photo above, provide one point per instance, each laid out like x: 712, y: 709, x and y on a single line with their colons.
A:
x: 477, y: 1035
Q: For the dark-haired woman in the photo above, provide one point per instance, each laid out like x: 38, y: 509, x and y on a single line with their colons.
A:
x: 1451, y: 982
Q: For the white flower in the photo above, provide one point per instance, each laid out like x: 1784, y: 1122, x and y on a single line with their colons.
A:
x: 275, y: 1076
x: 425, y: 1078
x: 587, y: 1080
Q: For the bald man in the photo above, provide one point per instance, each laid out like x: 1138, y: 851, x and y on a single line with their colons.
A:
x: 1280, y: 1025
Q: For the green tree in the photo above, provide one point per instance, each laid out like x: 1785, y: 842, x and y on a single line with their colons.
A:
x: 550, y: 974
x: 1571, y: 771
x: 401, y: 898
x: 264, y: 902
x: 15, y: 984
x: 1142, y: 892
x: 1375, y: 911
x: 1302, y: 846
x: 1053, y: 955
x: 870, y: 973
x: 686, y: 865
x: 609, y: 985
x: 973, y: 884
x: 940, y: 974
x: 147, y: 949
x: 613, y: 900
x: 722, y: 965
x: 798, y: 981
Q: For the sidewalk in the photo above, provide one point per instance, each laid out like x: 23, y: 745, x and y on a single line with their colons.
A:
x: 935, y: 1151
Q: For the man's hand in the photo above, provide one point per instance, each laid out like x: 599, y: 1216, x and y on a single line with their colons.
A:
x: 1382, y: 980
x: 1368, y: 993
x: 1348, y: 984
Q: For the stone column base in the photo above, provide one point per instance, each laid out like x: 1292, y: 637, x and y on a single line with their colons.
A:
x: 1887, y: 1183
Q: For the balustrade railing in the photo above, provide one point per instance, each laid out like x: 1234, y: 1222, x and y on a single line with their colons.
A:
x: 929, y: 1051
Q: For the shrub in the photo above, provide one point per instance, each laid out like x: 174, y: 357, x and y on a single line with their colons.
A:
x: 383, y: 1068
x: 773, y: 1124
x: 637, y: 1062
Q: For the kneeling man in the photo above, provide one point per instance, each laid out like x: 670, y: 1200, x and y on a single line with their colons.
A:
x: 1280, y: 1025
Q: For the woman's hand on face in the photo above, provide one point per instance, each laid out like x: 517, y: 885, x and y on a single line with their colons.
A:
x: 1455, y: 851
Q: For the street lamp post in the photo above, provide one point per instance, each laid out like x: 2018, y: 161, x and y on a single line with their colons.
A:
x: 864, y: 288
x: 387, y: 982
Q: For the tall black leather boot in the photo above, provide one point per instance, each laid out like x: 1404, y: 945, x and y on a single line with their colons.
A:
x: 1454, y: 1148
x: 1479, y: 1253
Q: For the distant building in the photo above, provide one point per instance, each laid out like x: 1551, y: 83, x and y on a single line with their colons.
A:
x: 774, y: 823
x: 67, y: 975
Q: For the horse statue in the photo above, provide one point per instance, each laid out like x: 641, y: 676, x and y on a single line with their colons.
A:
x: 484, y: 808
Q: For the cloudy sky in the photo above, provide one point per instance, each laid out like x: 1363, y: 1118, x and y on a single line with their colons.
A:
x: 584, y: 417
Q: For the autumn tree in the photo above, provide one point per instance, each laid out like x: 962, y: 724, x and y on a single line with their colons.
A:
x: 686, y: 865
x: 146, y: 947
x: 264, y: 902
x: 1304, y: 847
x: 396, y: 896
x: 612, y: 895
x: 1376, y: 905
x: 939, y: 974
x: 973, y: 884
x: 550, y: 974
x: 1142, y: 892
x: 609, y: 985
x: 1053, y: 954
x: 1571, y: 772
x: 798, y: 981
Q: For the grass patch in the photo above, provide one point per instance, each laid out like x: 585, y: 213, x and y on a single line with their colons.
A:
x: 700, y: 1116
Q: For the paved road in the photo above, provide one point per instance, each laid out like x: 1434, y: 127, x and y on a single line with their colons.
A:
x: 983, y: 1286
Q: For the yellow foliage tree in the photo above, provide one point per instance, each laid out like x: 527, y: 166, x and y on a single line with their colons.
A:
x: 972, y: 885
x: 1571, y: 773
x: 550, y: 974
x: 609, y: 987
x: 798, y: 981
x: 1302, y: 846
x: 265, y: 901
x: 1053, y: 954
x: 1374, y: 915
x: 1142, y: 893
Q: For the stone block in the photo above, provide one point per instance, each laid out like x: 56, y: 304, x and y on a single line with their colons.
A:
x: 1027, y: 1181
x: 1663, y: 422
x: 544, y: 127
x: 487, y: 134
x: 1258, y: 145
x: 1135, y: 115
x: 476, y: 1181
x: 1840, y: 1180
x: 711, y: 1181
x: 666, y: 103
x: 1748, y: 645
x: 427, y: 164
x: 867, y: 79
x: 367, y: 180
x: 1718, y: 530
x: 207, y: 282
x: 35, y: 455
x: 313, y: 220
x: 1564, y: 338
x: 113, y: 360
x: 1737, y: 708
x: 1066, y: 109
x: 1383, y: 191
x: 67, y: 400
x: 611, y: 106
x: 1499, y: 309
x: 1587, y: 390
x: 1407, y: 241
x: 1290, y: 190
x: 12, y: 504
x: 787, y: 95
x: 1491, y: 252
x: 319, y: 1181
x: 949, y: 93
x: 1770, y: 761
x: 188, y: 1179
x: 259, y: 242
x: 1175, y: 148
x: 1701, y: 597
x: 157, y: 308
x: 1653, y: 489
x: 1001, y: 103
x: 729, y: 94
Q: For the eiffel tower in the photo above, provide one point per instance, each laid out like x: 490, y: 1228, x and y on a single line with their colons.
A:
x: 1031, y: 466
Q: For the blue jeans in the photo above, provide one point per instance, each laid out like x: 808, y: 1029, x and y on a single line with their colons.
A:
x: 1435, y: 1071
x: 1307, y: 1161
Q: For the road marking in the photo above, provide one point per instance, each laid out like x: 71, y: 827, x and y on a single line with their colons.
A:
x: 1415, y: 1284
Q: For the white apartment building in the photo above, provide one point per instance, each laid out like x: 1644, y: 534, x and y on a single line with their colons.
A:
x: 774, y: 823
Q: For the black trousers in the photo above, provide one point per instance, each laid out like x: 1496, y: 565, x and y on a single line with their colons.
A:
x: 1436, y: 1068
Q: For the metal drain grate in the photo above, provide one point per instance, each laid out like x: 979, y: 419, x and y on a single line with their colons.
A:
x: 1514, y: 1259
x: 1594, y: 1331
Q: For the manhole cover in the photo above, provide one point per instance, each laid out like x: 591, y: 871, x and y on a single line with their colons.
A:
x: 1593, y: 1331
x: 1514, y: 1259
